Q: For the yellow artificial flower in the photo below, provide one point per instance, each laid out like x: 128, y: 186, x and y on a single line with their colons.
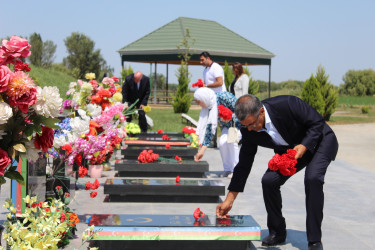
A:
x: 12, y: 210
x: 6, y: 205
x: 117, y: 97
x: 90, y: 76
x: 147, y: 109
x: 27, y: 199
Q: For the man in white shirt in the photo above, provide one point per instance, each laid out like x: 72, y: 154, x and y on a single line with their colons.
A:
x: 213, y: 74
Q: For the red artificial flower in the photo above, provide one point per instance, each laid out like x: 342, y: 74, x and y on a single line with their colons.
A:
x: 95, y: 185
x: 62, y: 217
x: 88, y: 185
x: 67, y: 148
x: 160, y: 131
x: 4, y: 161
x: 178, y: 158
x: 224, y: 113
x: 82, y: 171
x: 198, y: 214
x: 147, y: 156
x: 178, y: 179
x: 20, y: 66
x: 94, y: 83
x: 198, y: 84
x: 104, y: 93
x: 188, y: 130
x: 93, y: 194
x: 78, y: 159
x: 167, y: 146
x: 285, y: 163
x: 115, y: 79
x: 97, y: 99
x: 44, y: 141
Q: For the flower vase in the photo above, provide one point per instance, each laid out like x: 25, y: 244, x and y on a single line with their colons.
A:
x: 50, y: 184
x: 95, y: 171
x: 69, y: 171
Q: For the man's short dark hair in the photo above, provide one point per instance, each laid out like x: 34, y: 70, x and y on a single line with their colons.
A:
x: 205, y: 54
x: 247, y: 105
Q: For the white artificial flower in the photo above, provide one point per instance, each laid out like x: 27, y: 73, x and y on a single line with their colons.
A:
x: 32, y: 153
x: 79, y: 126
x: 95, y: 110
x: 72, y: 85
x: 60, y: 141
x: 48, y: 101
x: 83, y: 114
x: 6, y: 112
x: 86, y: 87
x: 76, y: 97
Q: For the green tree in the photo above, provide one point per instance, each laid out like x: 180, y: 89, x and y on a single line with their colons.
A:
x: 126, y: 71
x: 182, y: 100
x: 328, y: 91
x: 36, y: 49
x: 48, y: 54
x: 253, y: 85
x: 82, y: 58
x: 312, y: 95
x: 358, y: 83
x: 228, y: 75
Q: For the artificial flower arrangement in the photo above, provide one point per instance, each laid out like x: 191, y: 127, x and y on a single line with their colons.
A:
x: 198, y: 84
x: 285, y: 163
x: 27, y: 112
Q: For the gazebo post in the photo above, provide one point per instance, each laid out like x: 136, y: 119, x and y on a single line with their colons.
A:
x: 166, y: 80
x: 155, y: 83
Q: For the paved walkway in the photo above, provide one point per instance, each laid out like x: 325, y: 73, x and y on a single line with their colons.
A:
x: 349, y: 213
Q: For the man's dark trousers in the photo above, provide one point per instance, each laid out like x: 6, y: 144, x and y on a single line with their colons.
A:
x: 142, y: 120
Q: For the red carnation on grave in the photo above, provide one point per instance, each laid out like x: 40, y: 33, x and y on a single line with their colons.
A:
x: 93, y: 194
x: 198, y: 84
x: 225, y: 113
x: 178, y: 179
x: 285, y: 163
x: 167, y: 146
x: 165, y: 137
x: 147, y: 156
x: 189, y: 130
x: 88, y: 185
x: 198, y: 214
x: 178, y: 158
x: 82, y: 171
x: 95, y: 185
x: 160, y: 131
x: 44, y: 141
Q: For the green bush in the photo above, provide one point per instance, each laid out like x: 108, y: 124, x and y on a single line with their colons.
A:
x: 365, y: 109
x: 312, y: 95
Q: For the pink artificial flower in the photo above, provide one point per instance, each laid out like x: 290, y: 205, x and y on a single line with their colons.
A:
x: 4, y: 161
x: 80, y: 82
x: 17, y: 47
x: 21, y: 91
x: 107, y: 80
x: 5, y: 76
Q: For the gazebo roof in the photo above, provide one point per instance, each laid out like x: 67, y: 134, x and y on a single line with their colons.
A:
x: 223, y: 44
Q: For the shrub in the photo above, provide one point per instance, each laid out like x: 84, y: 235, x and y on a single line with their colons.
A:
x: 365, y: 109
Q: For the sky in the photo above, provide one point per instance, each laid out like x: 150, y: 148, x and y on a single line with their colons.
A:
x: 337, y: 34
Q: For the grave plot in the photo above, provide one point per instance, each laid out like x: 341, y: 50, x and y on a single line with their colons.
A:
x: 163, y: 190
x: 187, y: 168
x: 156, y: 135
x: 184, y: 152
x: 145, y: 231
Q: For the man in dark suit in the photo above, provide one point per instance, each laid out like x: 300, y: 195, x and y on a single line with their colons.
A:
x: 281, y: 123
x: 137, y: 87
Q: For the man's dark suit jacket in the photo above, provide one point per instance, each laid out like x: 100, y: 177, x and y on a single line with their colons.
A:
x: 297, y: 122
x: 130, y: 93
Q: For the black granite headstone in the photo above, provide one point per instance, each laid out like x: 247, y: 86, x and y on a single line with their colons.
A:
x: 156, y: 135
x: 184, y: 152
x: 164, y: 190
x: 187, y: 168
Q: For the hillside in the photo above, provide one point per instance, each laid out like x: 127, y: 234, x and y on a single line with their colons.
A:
x: 49, y: 77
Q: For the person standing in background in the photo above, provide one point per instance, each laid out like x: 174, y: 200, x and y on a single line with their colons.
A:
x: 240, y: 83
x: 213, y: 74
x: 137, y: 87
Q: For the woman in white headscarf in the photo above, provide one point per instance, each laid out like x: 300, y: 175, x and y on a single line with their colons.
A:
x: 208, y: 119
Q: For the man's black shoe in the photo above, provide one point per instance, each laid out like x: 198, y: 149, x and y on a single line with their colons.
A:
x: 273, y: 239
x: 316, y: 246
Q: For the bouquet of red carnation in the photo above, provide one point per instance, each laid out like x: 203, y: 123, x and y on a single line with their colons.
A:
x: 165, y: 137
x: 189, y: 130
x: 198, y: 84
x: 225, y: 113
x: 160, y: 131
x: 147, y: 156
x: 285, y: 163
